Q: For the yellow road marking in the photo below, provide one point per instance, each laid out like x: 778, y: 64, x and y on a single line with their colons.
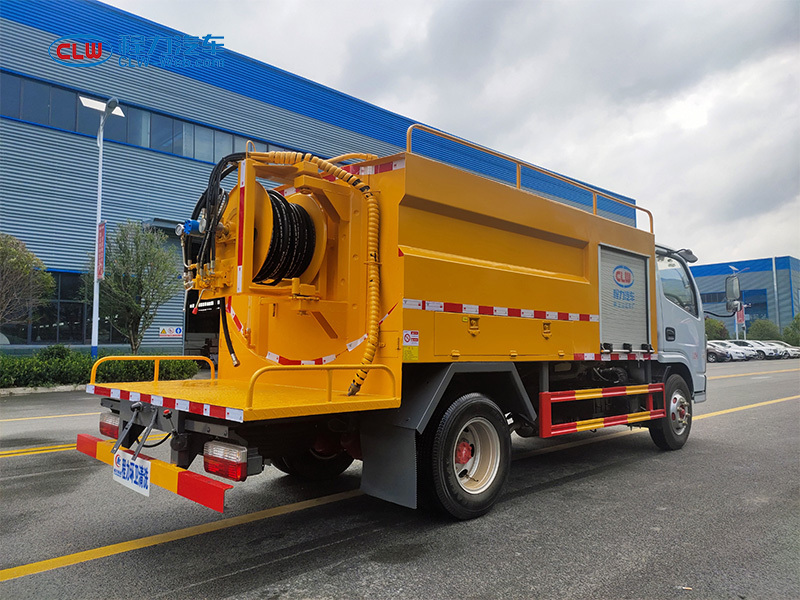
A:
x: 179, y: 534
x: 171, y: 536
x: 49, y: 417
x: 738, y: 408
x: 39, y: 450
x: 756, y: 373
x: 59, y: 448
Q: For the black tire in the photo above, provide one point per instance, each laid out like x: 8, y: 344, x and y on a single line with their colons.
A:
x: 475, y: 430
x: 311, y: 466
x: 280, y: 464
x: 761, y: 355
x: 712, y: 358
x: 671, y: 432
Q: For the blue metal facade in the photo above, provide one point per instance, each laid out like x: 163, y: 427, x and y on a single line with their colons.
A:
x: 770, y: 286
x: 48, y: 179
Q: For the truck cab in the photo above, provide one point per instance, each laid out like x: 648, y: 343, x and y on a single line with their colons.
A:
x: 681, y: 325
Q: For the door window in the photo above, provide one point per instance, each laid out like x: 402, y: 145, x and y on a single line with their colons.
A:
x: 676, y: 283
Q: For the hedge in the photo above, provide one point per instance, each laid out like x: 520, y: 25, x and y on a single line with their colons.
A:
x: 58, y: 365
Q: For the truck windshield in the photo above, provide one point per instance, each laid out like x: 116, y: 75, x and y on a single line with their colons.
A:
x: 676, y: 283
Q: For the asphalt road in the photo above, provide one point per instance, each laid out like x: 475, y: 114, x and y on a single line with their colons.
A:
x: 593, y: 515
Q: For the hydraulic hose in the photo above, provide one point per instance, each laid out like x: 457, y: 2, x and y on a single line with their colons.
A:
x: 227, y: 333
x: 373, y: 235
x: 352, y: 156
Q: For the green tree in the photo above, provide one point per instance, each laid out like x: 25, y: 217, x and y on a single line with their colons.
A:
x: 716, y: 330
x: 791, y: 333
x: 141, y: 274
x: 762, y: 329
x: 24, y: 283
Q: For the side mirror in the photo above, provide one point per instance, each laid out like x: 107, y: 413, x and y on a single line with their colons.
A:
x: 733, y: 293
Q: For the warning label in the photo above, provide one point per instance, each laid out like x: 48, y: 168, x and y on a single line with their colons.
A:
x: 410, y: 344
x: 170, y: 332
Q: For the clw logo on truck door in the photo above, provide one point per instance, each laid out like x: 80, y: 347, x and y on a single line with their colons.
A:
x: 80, y: 51
x: 623, y: 276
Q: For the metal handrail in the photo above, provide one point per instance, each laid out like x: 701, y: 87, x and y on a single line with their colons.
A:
x: 327, y: 368
x: 157, y: 360
x: 519, y: 164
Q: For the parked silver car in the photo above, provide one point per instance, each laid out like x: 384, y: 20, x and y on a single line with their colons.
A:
x: 745, y: 352
x: 793, y: 351
x: 762, y: 350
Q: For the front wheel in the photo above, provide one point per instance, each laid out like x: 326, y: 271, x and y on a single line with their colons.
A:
x: 761, y: 355
x: 671, y: 432
x: 465, y: 457
x: 712, y: 358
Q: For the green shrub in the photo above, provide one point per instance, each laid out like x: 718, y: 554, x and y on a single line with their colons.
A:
x: 58, y: 365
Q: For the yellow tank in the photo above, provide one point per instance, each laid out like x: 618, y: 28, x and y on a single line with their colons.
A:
x: 470, y: 270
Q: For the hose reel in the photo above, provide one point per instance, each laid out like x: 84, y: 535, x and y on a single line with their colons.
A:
x: 289, y: 237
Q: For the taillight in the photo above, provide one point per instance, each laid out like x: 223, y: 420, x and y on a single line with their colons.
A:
x: 109, y: 425
x: 225, y: 460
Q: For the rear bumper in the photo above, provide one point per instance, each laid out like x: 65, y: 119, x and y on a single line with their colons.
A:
x: 198, y: 488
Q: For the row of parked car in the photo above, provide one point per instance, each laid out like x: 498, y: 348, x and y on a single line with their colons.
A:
x: 721, y: 351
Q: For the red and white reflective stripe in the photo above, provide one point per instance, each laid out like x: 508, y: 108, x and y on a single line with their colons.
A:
x: 324, y: 360
x: 240, y: 242
x: 193, y: 486
x: 608, y: 356
x: 232, y: 313
x: 196, y: 408
x: 358, y: 169
x: 496, y: 311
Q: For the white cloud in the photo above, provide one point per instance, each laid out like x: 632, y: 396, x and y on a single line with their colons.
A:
x: 691, y: 107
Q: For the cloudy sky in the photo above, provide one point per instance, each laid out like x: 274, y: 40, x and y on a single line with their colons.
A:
x: 691, y: 107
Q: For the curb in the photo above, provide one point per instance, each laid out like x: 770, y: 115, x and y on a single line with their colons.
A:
x: 22, y: 391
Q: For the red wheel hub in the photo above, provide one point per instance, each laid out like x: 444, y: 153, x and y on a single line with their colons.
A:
x: 463, y: 453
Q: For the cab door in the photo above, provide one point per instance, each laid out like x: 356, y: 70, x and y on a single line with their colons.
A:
x: 681, y: 331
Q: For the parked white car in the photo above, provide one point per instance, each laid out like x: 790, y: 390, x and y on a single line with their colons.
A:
x: 794, y: 351
x: 762, y: 350
x: 746, y: 352
x: 733, y: 351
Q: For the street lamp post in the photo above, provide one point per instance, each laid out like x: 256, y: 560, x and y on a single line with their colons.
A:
x: 111, y: 106
x: 736, y: 316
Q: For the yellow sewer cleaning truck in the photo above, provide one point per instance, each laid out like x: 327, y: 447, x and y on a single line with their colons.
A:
x: 412, y: 315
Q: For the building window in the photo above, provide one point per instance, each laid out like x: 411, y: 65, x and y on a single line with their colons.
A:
x: 62, y: 108
x: 203, y: 143
x: 713, y: 297
x: 56, y: 106
x: 88, y: 119
x: 223, y: 145
x: 9, y: 95
x: 138, y: 127
x: 35, y: 102
x: 65, y: 319
x: 161, y: 133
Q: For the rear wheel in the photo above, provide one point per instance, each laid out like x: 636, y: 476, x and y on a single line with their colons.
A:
x: 761, y: 355
x: 465, y: 457
x: 313, y: 466
x: 671, y: 432
x: 712, y: 358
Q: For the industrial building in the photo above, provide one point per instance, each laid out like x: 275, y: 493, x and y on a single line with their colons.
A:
x: 770, y: 289
x: 187, y: 102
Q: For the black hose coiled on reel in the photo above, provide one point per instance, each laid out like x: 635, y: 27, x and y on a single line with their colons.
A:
x: 292, y: 245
